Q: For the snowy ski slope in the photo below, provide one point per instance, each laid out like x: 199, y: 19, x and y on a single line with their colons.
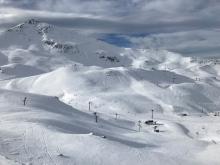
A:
x: 61, y: 72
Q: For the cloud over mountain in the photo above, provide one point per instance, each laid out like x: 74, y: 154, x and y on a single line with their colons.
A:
x: 128, y: 17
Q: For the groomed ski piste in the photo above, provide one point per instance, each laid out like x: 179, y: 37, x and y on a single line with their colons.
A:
x: 67, y: 99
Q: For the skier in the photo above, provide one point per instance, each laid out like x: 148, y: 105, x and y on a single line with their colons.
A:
x: 25, y: 100
x: 96, y: 117
x: 116, y: 116
x: 139, y: 126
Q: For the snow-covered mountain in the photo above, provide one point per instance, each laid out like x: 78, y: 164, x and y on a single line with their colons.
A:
x: 62, y: 74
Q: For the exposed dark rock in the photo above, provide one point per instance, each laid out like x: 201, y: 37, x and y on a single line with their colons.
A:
x: 32, y: 22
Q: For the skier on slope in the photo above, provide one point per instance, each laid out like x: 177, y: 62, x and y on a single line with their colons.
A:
x: 25, y: 100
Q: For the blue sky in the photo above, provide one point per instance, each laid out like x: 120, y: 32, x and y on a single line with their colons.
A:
x: 116, y: 39
x: 190, y: 27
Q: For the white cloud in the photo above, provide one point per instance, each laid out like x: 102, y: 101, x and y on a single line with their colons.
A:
x: 173, y: 22
x: 197, y: 42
